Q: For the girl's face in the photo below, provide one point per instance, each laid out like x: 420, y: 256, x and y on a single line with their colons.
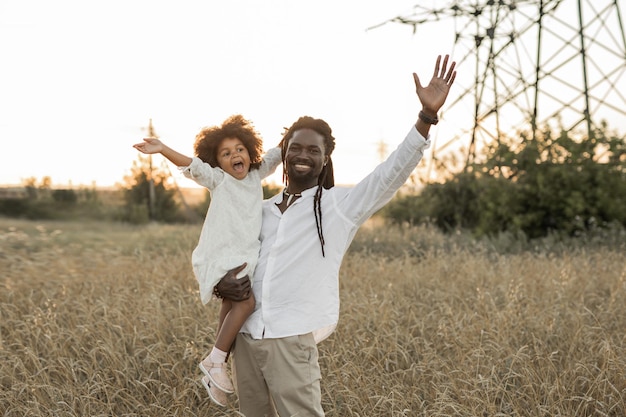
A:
x: 233, y: 158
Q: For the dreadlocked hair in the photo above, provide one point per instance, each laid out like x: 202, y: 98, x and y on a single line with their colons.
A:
x: 326, y: 178
x: 210, y: 138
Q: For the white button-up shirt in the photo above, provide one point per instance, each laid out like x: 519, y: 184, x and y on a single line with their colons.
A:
x: 296, y: 288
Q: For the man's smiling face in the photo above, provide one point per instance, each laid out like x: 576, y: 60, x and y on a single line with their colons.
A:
x: 305, y: 158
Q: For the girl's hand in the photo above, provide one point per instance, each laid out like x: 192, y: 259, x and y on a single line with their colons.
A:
x: 149, y: 146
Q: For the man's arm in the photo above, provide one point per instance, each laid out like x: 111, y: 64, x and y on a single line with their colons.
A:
x: 377, y: 188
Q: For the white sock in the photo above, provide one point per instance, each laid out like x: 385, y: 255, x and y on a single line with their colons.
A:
x: 217, y: 356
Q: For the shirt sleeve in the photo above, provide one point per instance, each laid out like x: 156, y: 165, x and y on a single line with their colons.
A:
x: 379, y: 187
x: 271, y: 160
x: 203, y: 173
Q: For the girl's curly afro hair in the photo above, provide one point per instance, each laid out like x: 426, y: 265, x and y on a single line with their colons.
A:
x: 210, y: 138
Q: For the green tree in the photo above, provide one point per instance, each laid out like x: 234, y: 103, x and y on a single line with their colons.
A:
x: 65, y: 196
x: 557, y: 182
x: 566, y: 182
x: 147, y: 195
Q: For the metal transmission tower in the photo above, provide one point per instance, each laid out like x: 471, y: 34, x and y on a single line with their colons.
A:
x: 534, y: 62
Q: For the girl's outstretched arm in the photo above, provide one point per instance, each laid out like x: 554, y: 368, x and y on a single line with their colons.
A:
x: 153, y: 145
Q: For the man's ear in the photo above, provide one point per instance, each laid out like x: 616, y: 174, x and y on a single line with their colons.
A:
x: 326, y: 158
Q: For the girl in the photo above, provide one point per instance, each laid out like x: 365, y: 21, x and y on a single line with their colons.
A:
x: 228, y: 162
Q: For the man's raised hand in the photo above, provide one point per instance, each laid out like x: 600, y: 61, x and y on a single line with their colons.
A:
x: 435, y: 93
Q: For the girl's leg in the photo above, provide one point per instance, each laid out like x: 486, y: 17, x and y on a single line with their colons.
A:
x: 234, y: 318
x: 224, y: 309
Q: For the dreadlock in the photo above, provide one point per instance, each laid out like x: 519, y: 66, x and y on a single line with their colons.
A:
x: 326, y: 178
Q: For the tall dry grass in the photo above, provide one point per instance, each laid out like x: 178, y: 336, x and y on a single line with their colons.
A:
x: 104, y: 320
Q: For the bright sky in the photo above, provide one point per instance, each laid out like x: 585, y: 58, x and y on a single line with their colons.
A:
x: 80, y: 80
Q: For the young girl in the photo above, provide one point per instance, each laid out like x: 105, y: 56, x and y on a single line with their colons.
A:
x: 228, y: 162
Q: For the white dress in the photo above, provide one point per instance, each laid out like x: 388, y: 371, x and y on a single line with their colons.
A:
x: 230, y: 233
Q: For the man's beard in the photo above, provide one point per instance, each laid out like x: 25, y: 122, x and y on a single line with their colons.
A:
x: 309, y: 177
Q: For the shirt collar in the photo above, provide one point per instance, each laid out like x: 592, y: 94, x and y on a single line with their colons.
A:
x: 308, y: 192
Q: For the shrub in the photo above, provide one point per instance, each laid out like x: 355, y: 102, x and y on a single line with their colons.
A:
x: 540, y: 186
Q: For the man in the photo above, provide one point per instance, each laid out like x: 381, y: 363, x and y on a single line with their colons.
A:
x: 305, y: 233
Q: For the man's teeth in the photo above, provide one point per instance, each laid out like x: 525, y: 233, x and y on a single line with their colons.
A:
x: 301, y: 166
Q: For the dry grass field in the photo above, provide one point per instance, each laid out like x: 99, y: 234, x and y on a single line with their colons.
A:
x: 100, y: 319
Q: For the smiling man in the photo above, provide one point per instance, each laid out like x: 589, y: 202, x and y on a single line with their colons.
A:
x: 305, y: 233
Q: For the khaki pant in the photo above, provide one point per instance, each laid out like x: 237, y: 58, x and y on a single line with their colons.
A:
x: 277, y: 377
